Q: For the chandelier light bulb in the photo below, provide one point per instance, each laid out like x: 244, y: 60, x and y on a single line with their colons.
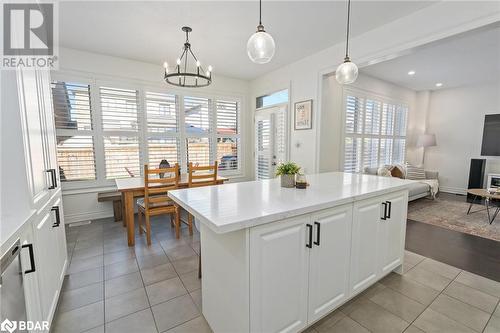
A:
x: 208, y: 73
x: 346, y: 73
x: 178, y: 61
x: 210, y: 68
x: 198, y: 63
x: 165, y: 65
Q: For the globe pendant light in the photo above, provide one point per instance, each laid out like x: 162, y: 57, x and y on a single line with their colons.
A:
x: 347, y: 72
x: 260, y: 46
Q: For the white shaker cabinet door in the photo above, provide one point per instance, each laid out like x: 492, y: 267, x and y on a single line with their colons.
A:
x: 364, y: 248
x: 329, y: 260
x: 34, y: 130
x: 392, y: 232
x: 279, y: 267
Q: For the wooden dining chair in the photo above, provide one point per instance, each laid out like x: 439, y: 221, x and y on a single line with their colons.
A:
x: 206, y: 176
x: 156, y: 201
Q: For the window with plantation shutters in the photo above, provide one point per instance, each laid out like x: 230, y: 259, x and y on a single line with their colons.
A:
x: 375, y: 131
x: 228, y: 134
x: 120, y: 128
x: 107, y: 131
x: 162, y: 119
x: 74, y: 131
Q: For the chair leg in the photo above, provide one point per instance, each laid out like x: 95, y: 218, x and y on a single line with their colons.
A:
x: 172, y: 224
x: 177, y: 223
x: 148, y: 230
x: 139, y: 220
x: 190, y: 224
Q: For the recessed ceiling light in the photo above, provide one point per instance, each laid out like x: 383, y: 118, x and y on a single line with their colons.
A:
x: 411, y: 73
x: 439, y: 84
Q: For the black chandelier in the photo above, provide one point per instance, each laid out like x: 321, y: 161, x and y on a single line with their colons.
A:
x: 184, y: 73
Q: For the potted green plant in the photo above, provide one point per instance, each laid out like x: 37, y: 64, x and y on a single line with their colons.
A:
x: 287, y: 172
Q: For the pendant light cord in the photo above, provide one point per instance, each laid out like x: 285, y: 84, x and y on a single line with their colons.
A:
x: 260, y: 12
x: 348, y: 26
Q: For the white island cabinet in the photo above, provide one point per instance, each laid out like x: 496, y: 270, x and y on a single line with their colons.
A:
x: 277, y: 259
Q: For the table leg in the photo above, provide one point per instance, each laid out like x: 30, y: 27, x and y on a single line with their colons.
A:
x: 495, y: 215
x: 124, y: 212
x: 472, y: 202
x: 129, y: 217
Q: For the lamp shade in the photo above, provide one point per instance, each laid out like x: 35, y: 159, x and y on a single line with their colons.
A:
x: 426, y: 140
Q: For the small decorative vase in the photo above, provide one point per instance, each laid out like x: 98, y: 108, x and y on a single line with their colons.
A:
x: 287, y: 181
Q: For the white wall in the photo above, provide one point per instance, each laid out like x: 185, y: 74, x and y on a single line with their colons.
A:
x: 331, y: 126
x: 456, y: 116
x: 304, y: 77
x: 82, y: 205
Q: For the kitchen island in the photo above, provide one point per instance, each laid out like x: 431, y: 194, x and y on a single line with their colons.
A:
x: 277, y: 259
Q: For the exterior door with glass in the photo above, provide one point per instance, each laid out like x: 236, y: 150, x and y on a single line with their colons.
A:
x: 270, y: 140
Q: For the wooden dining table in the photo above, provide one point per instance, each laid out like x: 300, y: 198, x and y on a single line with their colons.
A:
x: 133, y: 187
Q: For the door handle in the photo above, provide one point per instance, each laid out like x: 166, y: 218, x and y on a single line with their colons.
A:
x: 53, y: 178
x: 274, y: 163
x: 389, y: 209
x: 58, y: 216
x: 310, y: 236
x: 385, y: 211
x: 318, y: 233
x: 32, y: 258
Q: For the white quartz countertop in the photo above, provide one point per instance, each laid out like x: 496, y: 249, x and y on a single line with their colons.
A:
x: 231, y: 207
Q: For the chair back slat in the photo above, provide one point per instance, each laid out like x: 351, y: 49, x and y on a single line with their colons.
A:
x: 203, y: 178
x: 155, y: 188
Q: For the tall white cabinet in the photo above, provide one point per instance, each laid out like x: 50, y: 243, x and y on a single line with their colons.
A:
x: 31, y: 192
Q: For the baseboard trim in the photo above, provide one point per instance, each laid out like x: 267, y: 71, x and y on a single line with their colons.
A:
x: 72, y: 218
x: 453, y: 190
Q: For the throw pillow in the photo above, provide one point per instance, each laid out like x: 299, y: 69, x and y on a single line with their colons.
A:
x: 414, y: 172
x: 398, y: 172
x: 383, y: 171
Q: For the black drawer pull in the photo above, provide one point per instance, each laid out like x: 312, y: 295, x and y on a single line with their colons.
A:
x: 310, y: 236
x: 53, y: 178
x: 385, y: 211
x: 32, y: 258
x: 318, y: 233
x: 58, y: 216
x: 389, y: 209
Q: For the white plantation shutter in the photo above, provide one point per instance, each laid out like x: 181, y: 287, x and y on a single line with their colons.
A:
x: 162, y: 119
x: 74, y: 131
x: 263, y: 148
x: 375, y: 131
x: 228, y: 134
x: 120, y: 125
x: 197, y: 115
x: 198, y: 151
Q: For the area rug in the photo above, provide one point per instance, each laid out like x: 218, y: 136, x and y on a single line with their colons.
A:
x: 452, y: 214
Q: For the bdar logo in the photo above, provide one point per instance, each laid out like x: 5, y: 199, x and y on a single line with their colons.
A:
x: 8, y: 326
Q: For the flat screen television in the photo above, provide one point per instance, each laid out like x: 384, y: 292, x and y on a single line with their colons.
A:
x: 491, y: 135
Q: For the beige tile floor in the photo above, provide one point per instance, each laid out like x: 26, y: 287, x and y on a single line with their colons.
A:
x: 113, y: 288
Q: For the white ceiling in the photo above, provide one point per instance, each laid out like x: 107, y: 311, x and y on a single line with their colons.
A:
x: 467, y: 59
x: 150, y: 31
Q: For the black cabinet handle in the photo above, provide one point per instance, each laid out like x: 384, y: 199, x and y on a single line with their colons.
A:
x: 32, y: 258
x: 385, y: 211
x: 318, y: 233
x: 53, y: 177
x: 58, y: 216
x: 389, y: 209
x: 310, y: 236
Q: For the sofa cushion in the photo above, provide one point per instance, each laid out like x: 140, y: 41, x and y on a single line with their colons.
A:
x: 417, y: 188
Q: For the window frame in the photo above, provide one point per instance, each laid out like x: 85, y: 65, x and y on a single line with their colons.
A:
x: 366, y: 94
x: 96, y: 81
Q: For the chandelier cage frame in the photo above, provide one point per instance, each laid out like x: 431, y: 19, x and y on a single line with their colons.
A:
x: 178, y: 77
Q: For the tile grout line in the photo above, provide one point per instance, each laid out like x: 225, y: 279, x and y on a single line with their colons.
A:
x: 491, y: 316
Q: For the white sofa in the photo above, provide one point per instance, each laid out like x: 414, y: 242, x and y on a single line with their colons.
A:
x: 417, y: 190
